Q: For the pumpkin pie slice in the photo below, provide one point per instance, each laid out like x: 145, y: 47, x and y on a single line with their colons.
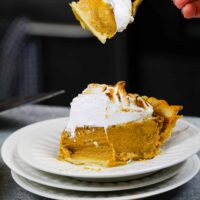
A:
x: 104, y: 18
x: 110, y: 127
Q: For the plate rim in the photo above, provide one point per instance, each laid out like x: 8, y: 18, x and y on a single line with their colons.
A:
x: 91, y: 175
x: 158, y: 176
x: 164, y: 188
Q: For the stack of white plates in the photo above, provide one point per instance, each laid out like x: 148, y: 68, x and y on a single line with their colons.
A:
x: 31, y: 154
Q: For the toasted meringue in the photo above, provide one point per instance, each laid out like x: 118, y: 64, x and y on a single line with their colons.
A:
x: 105, y: 105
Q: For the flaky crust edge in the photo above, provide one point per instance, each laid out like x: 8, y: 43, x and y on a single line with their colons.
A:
x: 168, y: 112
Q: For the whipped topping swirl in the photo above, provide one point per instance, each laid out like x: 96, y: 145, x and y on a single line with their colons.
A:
x: 103, y: 106
x: 123, y: 13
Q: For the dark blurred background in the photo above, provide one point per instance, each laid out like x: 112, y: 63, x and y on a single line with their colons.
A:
x: 43, y: 48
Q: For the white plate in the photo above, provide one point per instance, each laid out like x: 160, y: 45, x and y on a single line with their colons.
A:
x: 189, y: 170
x: 21, y: 168
x: 39, y: 145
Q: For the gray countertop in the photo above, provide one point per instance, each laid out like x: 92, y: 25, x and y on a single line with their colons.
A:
x: 16, y: 118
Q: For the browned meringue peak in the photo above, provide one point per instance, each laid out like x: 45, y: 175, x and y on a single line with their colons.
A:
x: 117, y: 94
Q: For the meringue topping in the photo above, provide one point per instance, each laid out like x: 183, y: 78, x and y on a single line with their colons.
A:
x: 123, y: 13
x: 101, y: 105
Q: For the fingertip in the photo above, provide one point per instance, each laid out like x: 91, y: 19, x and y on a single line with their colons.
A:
x: 189, y: 11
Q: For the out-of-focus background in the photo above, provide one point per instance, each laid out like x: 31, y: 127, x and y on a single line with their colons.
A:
x: 43, y: 48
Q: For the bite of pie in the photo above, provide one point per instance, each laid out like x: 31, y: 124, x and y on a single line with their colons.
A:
x: 104, y: 18
x: 109, y: 127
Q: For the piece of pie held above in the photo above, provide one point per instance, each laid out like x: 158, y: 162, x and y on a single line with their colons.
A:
x: 109, y: 127
x: 104, y: 18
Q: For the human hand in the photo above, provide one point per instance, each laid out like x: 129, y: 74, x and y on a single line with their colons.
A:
x: 189, y: 8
